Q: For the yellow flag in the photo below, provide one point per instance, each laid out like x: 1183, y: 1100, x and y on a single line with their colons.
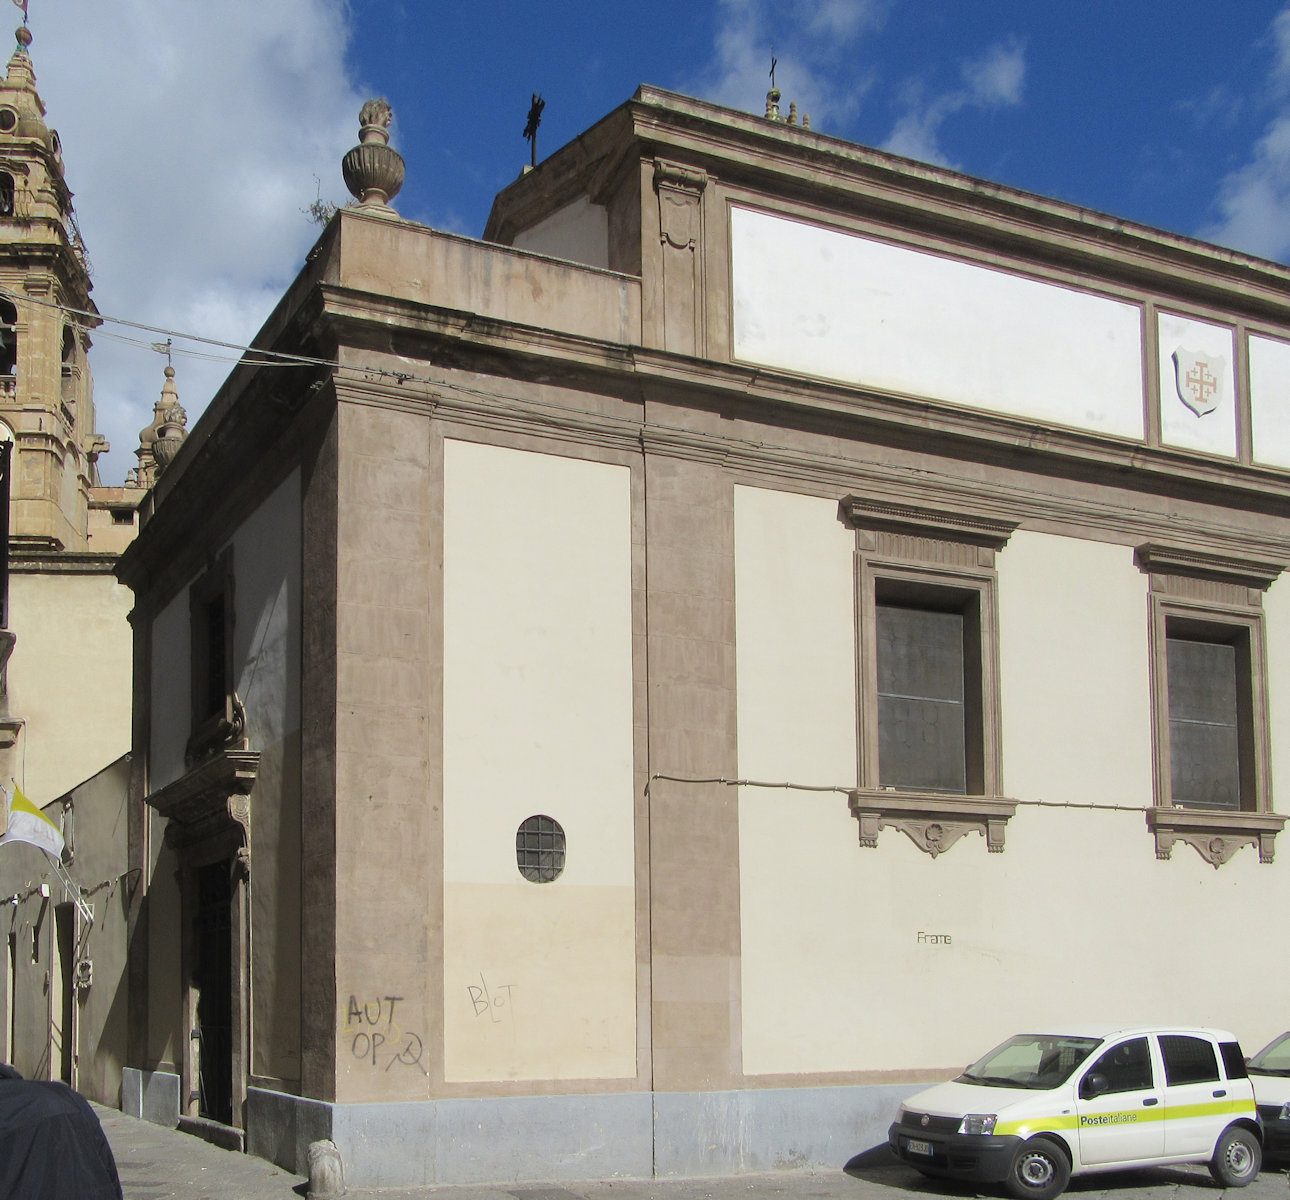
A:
x: 26, y: 823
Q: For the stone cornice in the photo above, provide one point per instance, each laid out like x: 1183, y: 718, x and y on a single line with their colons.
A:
x: 865, y: 513
x: 1244, y: 570
x: 446, y: 341
x: 787, y: 162
x: 61, y: 562
x: 210, y: 801
x: 848, y: 177
x: 456, y: 339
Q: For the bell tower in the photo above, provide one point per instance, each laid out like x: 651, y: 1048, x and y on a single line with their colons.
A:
x: 46, y: 314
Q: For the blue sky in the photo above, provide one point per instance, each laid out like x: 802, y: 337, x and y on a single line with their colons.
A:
x: 196, y: 131
x: 1141, y: 108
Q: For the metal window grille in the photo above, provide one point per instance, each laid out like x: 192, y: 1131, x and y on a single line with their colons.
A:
x: 539, y: 849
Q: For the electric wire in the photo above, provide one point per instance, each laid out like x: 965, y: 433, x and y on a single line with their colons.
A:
x: 847, y: 791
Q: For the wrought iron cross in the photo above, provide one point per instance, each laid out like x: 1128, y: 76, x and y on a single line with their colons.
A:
x: 535, y: 119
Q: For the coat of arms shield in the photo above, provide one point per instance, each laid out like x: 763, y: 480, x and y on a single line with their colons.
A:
x: 1199, y: 379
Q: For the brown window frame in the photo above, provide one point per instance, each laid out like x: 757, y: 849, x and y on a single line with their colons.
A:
x: 1244, y: 636
x: 942, y: 560
x: 928, y: 590
x: 1216, y: 598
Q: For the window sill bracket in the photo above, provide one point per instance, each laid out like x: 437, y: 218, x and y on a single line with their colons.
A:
x: 1214, y: 834
x: 933, y: 822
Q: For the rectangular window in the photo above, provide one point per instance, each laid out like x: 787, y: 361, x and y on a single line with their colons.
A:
x: 1188, y: 1059
x: 1127, y: 1067
x: 927, y: 648
x: 210, y: 645
x: 928, y: 673
x: 1209, y: 702
x: 1233, y: 1060
x: 210, y: 618
x: 1211, y: 748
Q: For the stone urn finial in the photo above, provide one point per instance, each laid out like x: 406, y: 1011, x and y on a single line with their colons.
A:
x: 373, y: 170
x: 160, y: 441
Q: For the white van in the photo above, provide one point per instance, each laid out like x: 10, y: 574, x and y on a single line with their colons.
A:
x: 1270, y: 1074
x: 1043, y: 1107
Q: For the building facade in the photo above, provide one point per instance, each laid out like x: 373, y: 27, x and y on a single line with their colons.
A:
x: 65, y: 638
x: 654, y: 685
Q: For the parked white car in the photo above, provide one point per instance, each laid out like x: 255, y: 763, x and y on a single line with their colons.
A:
x: 1043, y: 1107
x: 1270, y: 1074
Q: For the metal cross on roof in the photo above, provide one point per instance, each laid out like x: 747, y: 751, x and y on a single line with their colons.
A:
x: 535, y: 119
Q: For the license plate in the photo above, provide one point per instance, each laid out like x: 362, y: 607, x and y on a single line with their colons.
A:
x: 918, y: 1147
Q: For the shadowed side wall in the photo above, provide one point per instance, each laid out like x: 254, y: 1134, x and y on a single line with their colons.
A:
x: 267, y: 650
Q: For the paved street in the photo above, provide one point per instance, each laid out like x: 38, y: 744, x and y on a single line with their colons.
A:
x: 162, y: 1164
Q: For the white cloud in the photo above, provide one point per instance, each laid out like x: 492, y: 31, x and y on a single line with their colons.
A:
x: 192, y: 133
x: 1254, y: 200
x: 814, y: 41
x: 1280, y: 37
x: 994, y: 80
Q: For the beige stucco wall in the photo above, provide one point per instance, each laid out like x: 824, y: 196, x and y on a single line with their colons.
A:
x: 416, y: 263
x: 578, y: 231
x: 796, y: 670
x: 539, y: 979
x: 1075, y: 672
x: 69, y: 678
x: 1076, y: 920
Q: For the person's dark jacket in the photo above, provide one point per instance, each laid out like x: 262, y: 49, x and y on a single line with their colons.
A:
x: 52, y: 1146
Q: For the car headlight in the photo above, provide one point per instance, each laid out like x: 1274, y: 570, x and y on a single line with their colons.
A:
x: 978, y: 1123
x: 1285, y: 1111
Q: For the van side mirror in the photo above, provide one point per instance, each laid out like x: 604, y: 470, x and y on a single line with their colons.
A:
x: 1095, y: 1084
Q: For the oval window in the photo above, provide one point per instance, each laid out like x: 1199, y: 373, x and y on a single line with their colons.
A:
x: 539, y: 849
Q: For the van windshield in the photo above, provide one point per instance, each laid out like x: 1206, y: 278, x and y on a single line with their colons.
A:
x: 1273, y: 1059
x: 1034, y: 1061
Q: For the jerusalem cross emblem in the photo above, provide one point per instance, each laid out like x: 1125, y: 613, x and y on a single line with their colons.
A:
x: 1200, y: 380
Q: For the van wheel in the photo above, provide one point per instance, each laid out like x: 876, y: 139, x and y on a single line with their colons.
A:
x: 1237, y: 1158
x: 1039, y: 1172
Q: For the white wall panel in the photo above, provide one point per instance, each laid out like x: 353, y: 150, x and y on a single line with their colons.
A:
x: 539, y: 979
x: 821, y: 302
x: 1270, y: 400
